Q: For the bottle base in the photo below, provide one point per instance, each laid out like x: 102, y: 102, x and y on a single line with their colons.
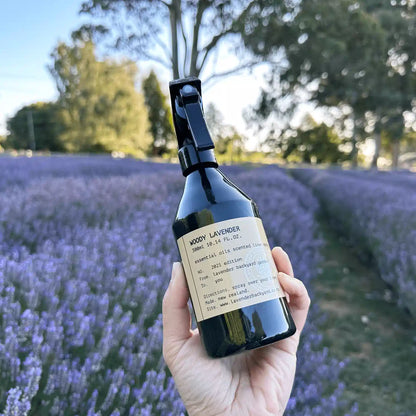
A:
x: 222, y: 339
x: 251, y: 346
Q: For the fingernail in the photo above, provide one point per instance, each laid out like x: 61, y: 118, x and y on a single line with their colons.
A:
x: 283, y: 274
x: 175, y: 270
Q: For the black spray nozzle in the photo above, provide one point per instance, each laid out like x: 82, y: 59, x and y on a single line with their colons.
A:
x: 188, y: 116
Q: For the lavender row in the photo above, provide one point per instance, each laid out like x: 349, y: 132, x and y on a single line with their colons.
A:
x: 378, y: 217
x: 21, y: 170
x: 288, y: 212
x: 83, y: 299
x: 404, y: 179
x: 84, y: 263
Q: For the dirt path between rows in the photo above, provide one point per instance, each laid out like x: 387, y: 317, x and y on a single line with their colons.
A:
x: 364, y: 324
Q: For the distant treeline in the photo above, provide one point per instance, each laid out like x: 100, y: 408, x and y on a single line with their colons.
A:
x: 353, y: 61
x: 98, y: 108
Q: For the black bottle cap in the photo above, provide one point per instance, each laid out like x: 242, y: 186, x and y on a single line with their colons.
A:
x: 194, y: 141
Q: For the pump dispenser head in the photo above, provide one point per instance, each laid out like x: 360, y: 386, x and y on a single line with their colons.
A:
x: 194, y: 141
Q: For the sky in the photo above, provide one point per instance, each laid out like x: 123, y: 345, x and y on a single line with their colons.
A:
x: 30, y: 31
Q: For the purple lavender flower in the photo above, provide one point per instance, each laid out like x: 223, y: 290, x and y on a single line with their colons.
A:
x: 376, y: 211
x: 85, y: 257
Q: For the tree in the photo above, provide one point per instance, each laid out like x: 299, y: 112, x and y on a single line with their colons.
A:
x: 331, y: 51
x: 230, y: 148
x: 312, y: 143
x: 160, y: 116
x: 197, y: 29
x: 215, y: 122
x: 98, y: 103
x: 35, y: 127
x: 341, y: 53
x: 229, y: 143
x: 409, y: 147
x: 2, y: 141
x: 398, y: 75
x: 389, y: 142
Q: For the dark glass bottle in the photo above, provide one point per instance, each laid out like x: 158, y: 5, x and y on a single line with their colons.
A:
x: 234, y: 290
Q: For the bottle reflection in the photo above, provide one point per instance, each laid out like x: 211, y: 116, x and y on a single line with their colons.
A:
x: 242, y: 329
x: 258, y: 326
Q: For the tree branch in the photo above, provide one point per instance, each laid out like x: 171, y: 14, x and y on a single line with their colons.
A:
x: 248, y: 65
x: 163, y: 46
x: 185, y: 43
x: 207, y: 49
x: 157, y: 59
x: 229, y: 72
x: 231, y: 29
x: 140, y: 52
x: 202, y: 6
x: 174, y: 13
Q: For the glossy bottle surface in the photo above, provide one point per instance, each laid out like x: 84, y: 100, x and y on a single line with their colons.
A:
x: 209, y: 197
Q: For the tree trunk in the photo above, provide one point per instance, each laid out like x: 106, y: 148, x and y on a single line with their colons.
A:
x: 396, y: 153
x: 193, y: 69
x: 31, y: 128
x: 174, y: 12
x: 354, y: 151
x: 377, y: 142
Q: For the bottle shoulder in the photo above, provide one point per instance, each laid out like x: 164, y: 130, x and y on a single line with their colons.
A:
x: 209, y: 187
x: 210, y: 197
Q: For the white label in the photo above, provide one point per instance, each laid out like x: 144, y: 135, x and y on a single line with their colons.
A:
x: 228, y: 265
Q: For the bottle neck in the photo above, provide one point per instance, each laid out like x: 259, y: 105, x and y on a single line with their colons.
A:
x: 191, y: 159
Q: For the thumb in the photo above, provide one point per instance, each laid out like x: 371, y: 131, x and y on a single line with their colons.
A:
x: 176, y: 315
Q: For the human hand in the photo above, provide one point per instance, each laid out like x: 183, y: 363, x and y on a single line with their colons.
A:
x: 255, y: 382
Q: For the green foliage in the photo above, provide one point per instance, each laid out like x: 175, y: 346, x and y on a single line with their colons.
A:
x: 333, y: 51
x: 319, y: 144
x: 340, y: 47
x: 310, y: 143
x: 2, y: 140
x: 98, y: 104
x: 160, y: 116
x: 409, y: 139
x: 36, y: 127
x: 344, y: 53
x: 229, y: 143
x: 230, y: 148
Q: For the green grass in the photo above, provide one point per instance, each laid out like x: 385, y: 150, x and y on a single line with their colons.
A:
x: 366, y: 326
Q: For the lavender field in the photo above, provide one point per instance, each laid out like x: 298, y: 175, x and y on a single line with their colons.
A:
x: 377, y: 213
x: 86, y: 253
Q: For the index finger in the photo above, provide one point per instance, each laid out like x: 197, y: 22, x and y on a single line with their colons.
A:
x: 298, y: 297
x: 282, y: 261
